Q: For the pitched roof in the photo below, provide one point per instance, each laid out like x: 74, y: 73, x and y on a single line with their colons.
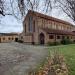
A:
x: 8, y: 34
x: 60, y: 32
x: 49, y: 17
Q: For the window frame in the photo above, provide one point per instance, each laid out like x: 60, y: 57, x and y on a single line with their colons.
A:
x: 58, y: 37
x: 51, y: 36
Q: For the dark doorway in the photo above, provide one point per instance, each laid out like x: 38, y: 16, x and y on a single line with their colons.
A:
x: 41, y: 38
x: 0, y: 40
x: 16, y: 39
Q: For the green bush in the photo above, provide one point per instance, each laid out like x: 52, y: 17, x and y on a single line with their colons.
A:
x: 63, y: 41
x: 53, y: 43
x: 66, y: 41
x: 20, y: 41
x: 74, y: 41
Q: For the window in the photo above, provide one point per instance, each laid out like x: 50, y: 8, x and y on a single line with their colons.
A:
x: 62, y: 27
x: 51, y: 37
x: 71, y: 37
x: 25, y: 28
x: 30, y: 24
x: 9, y: 38
x: 58, y: 37
x: 34, y: 26
x: 56, y: 26
x: 67, y: 37
x: 21, y: 37
x: 63, y: 37
x: 4, y: 38
x: 59, y: 27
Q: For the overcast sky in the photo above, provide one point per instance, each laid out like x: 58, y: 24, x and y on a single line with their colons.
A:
x: 10, y: 24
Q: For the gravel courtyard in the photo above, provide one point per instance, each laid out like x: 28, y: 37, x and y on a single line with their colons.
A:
x: 17, y: 58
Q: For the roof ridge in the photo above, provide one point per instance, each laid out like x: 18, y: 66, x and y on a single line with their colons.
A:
x: 61, y: 32
x: 50, y: 17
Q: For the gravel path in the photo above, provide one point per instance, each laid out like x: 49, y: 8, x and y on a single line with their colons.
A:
x: 17, y: 59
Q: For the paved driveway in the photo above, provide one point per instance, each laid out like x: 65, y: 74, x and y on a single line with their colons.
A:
x: 17, y: 59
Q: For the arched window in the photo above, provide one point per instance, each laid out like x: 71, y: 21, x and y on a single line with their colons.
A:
x: 3, y: 38
x: 9, y: 38
x: 33, y: 26
x: 30, y: 23
x: 25, y: 28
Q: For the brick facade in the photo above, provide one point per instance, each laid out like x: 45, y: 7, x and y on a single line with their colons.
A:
x: 8, y: 37
x: 37, y: 25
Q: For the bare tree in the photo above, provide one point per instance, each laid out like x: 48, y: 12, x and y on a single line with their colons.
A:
x: 68, y: 6
x: 20, y: 7
x: 1, y: 7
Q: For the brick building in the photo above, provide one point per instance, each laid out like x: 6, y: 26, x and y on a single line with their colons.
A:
x: 41, y: 29
x: 8, y: 37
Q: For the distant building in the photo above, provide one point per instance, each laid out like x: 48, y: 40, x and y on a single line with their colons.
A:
x: 8, y: 37
x: 41, y: 29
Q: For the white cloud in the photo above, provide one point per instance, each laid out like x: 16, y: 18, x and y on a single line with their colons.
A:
x: 10, y: 24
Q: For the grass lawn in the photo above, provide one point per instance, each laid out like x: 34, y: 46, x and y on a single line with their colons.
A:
x: 69, y: 52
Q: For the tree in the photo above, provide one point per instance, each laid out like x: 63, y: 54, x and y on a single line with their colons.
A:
x: 68, y: 6
x: 19, y: 8
x: 1, y: 8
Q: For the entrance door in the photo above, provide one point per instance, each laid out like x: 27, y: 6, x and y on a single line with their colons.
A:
x: 41, y: 38
x: 0, y: 40
x: 16, y: 39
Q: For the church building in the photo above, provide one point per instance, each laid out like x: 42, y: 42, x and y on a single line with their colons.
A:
x: 40, y: 29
